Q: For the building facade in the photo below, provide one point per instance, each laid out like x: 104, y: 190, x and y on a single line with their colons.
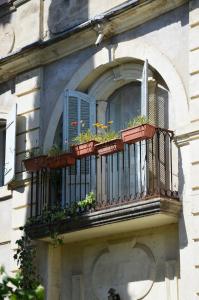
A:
x: 66, y: 61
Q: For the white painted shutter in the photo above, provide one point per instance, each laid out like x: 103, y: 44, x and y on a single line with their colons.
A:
x: 80, y: 108
x: 144, y: 90
x: 9, y: 171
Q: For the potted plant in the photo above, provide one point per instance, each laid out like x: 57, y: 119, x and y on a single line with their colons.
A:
x: 57, y: 158
x: 108, y: 140
x: 88, y: 203
x: 138, y: 129
x: 35, y: 160
x: 84, y: 144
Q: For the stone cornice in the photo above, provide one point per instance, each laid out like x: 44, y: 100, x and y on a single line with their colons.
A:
x: 9, y: 6
x: 82, y: 36
x: 185, y: 135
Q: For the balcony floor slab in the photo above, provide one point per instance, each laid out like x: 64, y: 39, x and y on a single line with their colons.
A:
x: 114, y: 220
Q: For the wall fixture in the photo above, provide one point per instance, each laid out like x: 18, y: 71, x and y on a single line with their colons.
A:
x: 112, y: 295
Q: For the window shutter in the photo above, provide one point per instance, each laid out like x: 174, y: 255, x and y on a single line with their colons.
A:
x: 9, y: 171
x: 144, y: 90
x: 79, y: 108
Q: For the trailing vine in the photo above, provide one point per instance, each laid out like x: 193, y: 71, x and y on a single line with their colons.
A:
x: 26, y: 284
x: 25, y: 257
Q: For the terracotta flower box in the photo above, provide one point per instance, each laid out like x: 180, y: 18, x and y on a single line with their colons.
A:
x: 35, y: 164
x: 84, y: 149
x: 109, y: 147
x: 134, y: 134
x: 60, y: 161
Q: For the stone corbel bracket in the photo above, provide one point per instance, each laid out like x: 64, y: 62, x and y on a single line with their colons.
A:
x: 104, y: 30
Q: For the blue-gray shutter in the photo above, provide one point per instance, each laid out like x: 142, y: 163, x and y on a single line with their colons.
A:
x: 80, y: 108
x: 9, y: 171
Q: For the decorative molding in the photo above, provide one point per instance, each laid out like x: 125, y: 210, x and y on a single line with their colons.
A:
x: 80, y: 37
x: 7, y: 39
x: 184, y: 136
x: 127, y: 51
x: 110, y: 271
x: 114, y: 78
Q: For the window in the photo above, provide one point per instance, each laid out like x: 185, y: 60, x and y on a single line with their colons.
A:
x: 136, y: 162
x: 7, y: 147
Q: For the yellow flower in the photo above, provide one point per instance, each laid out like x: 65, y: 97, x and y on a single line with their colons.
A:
x: 110, y: 122
x: 104, y: 126
x: 97, y: 124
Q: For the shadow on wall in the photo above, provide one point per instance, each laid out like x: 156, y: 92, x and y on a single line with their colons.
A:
x: 5, y: 16
x: 6, y: 30
x: 65, y: 14
x: 28, y: 138
x: 183, y: 239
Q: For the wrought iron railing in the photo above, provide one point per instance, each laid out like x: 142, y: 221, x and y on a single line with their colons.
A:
x: 143, y: 170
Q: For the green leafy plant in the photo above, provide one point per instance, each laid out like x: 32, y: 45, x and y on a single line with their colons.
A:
x: 89, y: 200
x: 84, y: 137
x: 34, y: 152
x: 26, y: 284
x: 25, y: 257
x: 105, y: 133
x: 51, y: 218
x: 13, y: 288
x: 54, y: 151
x: 138, y: 120
x: 107, y: 136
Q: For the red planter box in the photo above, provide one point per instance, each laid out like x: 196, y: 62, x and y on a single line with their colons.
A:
x: 35, y: 164
x: 60, y: 161
x: 139, y: 133
x: 109, y: 147
x: 84, y: 149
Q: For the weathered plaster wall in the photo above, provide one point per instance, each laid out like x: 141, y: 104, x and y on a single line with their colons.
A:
x: 60, y: 15
x: 90, y: 269
x: 25, y: 90
x: 190, y: 253
x: 168, y: 33
x: 20, y: 26
x: 36, y: 94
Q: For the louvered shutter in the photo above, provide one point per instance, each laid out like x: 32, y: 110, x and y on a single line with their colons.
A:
x: 10, y: 146
x: 80, y: 108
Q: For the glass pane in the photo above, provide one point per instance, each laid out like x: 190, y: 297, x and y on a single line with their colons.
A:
x: 123, y: 105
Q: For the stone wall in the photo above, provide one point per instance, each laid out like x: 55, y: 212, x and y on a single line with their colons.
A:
x: 14, y: 205
x: 20, y: 25
x: 140, y: 265
x: 37, y: 92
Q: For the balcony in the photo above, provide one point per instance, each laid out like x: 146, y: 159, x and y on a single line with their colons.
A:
x: 134, y: 188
